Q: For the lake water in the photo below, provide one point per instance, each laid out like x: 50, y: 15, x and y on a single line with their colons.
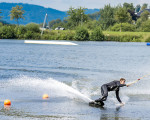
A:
x: 72, y: 76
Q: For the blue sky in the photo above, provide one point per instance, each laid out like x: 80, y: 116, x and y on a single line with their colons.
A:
x: 64, y: 5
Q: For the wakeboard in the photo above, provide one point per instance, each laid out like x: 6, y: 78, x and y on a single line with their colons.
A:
x: 96, y: 104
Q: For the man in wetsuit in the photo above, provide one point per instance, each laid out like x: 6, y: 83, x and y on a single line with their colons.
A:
x: 112, y: 86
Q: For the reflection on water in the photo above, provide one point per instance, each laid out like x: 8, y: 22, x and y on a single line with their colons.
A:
x: 114, y: 114
x: 7, y: 111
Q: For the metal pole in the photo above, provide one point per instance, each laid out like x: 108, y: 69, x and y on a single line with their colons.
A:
x: 44, y: 24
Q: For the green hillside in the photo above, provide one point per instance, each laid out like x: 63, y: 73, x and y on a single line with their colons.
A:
x: 34, y: 13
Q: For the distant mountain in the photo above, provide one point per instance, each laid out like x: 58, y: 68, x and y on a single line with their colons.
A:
x: 34, y: 13
x: 91, y: 11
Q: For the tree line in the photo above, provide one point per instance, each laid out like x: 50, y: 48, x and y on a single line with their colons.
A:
x: 110, y: 18
x: 86, y: 26
x: 107, y: 18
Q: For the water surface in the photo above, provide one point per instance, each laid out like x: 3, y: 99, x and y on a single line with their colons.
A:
x: 27, y: 71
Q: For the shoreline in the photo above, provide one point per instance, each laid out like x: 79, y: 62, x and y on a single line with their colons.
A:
x: 71, y: 41
x: 70, y: 36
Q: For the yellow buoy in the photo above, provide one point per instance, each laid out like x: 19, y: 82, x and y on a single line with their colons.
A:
x: 45, y: 96
x: 7, y: 102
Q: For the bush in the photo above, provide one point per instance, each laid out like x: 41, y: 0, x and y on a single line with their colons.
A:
x: 97, y: 35
x: 145, y: 27
x: 138, y: 23
x: 70, y: 36
x: 20, y: 31
x: 28, y: 35
x: 67, y: 35
x: 81, y: 34
x: 52, y: 37
x: 31, y: 35
x: 7, y: 32
x: 1, y: 24
x: 51, y: 33
x: 45, y: 37
x: 125, y: 27
x: 63, y: 37
x: 33, y: 27
x: 36, y: 36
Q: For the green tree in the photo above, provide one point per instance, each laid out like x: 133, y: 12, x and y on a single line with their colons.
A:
x: 17, y: 13
x: 138, y: 23
x: 144, y: 6
x: 81, y: 34
x: 33, y: 27
x: 125, y: 27
x: 77, y: 16
x: 122, y: 16
x: 107, y: 17
x: 97, y: 35
x: 94, y: 16
x: 143, y: 18
x: 91, y: 24
x: 145, y: 26
x: 144, y: 15
x: 129, y: 6
x: 55, y: 23
x: 20, y: 31
x: 52, y: 23
x: 7, y: 32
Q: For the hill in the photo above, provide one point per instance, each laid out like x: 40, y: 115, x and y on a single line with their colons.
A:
x: 34, y: 13
x: 91, y: 11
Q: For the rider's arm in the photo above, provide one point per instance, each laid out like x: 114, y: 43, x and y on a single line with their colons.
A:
x: 117, y: 96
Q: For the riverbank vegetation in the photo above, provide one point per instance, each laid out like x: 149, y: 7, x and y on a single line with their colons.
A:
x: 32, y: 31
x: 118, y: 23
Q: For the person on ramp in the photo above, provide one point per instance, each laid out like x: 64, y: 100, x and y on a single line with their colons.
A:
x: 112, y: 86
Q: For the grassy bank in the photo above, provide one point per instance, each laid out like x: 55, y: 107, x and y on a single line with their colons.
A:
x: 32, y: 32
x: 139, y: 36
x: 109, y: 36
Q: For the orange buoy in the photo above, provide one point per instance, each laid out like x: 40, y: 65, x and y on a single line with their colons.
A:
x: 45, y: 96
x: 7, y: 102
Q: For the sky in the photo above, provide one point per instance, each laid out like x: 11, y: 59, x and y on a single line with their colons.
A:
x: 64, y: 5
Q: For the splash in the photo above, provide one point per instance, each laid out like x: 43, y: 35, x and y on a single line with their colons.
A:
x: 36, y: 87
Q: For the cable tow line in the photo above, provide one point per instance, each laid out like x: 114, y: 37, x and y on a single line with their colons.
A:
x: 138, y: 80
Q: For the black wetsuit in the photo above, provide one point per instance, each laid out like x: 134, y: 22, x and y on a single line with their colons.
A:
x: 112, y: 86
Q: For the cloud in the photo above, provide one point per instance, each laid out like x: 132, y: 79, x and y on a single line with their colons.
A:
x: 65, y: 4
